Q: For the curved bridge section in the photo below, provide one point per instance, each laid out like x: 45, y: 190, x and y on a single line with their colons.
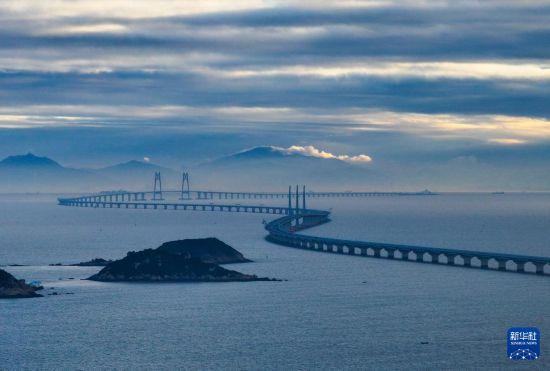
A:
x: 284, y: 231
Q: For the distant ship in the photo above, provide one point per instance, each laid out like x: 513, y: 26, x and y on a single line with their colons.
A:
x: 497, y: 193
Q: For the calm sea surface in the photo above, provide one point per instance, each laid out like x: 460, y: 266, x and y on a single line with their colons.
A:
x: 334, y: 312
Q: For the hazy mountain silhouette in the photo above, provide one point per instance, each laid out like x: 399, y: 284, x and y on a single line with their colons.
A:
x: 31, y: 173
x: 133, y: 166
x: 28, y: 161
x: 263, y: 168
x: 137, y: 174
x: 274, y: 168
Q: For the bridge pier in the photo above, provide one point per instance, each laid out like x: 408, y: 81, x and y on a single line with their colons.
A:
x: 520, y: 266
x: 501, y: 264
x: 419, y: 257
x: 539, y: 268
x: 451, y: 259
x: 484, y: 263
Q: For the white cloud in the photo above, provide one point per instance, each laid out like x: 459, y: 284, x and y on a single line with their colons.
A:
x: 88, y: 29
x: 428, y: 70
x: 131, y: 9
x: 494, y: 129
x: 315, y: 152
x: 507, y: 141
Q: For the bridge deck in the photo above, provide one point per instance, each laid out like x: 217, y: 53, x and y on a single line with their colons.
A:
x: 263, y: 209
x: 206, y: 194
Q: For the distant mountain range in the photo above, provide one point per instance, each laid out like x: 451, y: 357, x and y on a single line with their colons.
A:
x: 275, y: 168
x: 30, y: 173
x: 266, y: 168
x: 135, y: 173
x: 28, y: 161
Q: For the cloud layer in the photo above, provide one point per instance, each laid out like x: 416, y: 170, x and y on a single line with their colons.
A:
x: 315, y: 152
x: 452, y: 75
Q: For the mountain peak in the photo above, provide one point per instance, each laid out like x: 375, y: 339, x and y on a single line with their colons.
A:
x: 133, y: 165
x: 136, y: 163
x: 29, y: 160
x: 262, y: 151
x: 135, y: 170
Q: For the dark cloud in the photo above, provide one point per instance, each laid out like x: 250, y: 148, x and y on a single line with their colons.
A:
x: 460, y: 96
x: 457, y: 14
x: 481, y: 31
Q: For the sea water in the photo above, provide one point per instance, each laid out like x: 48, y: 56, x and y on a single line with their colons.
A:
x: 332, y: 312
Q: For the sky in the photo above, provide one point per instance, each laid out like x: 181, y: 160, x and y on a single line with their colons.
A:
x: 455, y: 90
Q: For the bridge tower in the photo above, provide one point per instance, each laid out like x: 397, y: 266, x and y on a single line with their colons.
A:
x: 304, y: 197
x: 289, y: 200
x: 185, y: 192
x: 157, y: 190
x: 297, y: 200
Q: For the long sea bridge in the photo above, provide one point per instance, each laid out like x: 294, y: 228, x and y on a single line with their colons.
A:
x: 296, y: 217
x: 117, y: 196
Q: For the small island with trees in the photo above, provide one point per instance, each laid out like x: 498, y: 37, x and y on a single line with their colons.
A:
x: 191, y: 260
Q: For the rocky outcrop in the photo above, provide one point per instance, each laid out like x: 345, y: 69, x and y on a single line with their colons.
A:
x: 208, y: 250
x: 12, y: 288
x: 96, y: 262
x: 162, y: 266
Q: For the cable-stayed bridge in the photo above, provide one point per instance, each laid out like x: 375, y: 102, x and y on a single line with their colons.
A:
x: 295, y: 217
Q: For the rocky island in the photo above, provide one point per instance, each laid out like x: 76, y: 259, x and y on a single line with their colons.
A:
x: 186, y: 260
x: 96, y: 262
x: 12, y: 288
x: 208, y: 250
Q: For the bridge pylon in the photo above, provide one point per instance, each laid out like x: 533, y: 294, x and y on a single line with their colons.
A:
x: 297, y: 202
x: 157, y: 190
x: 290, y: 200
x: 185, y: 192
x: 295, y: 209
x: 304, y: 197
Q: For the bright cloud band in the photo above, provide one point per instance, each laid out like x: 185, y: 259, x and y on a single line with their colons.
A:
x: 315, y: 152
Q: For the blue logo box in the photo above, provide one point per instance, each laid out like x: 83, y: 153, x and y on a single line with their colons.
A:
x: 523, y: 343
